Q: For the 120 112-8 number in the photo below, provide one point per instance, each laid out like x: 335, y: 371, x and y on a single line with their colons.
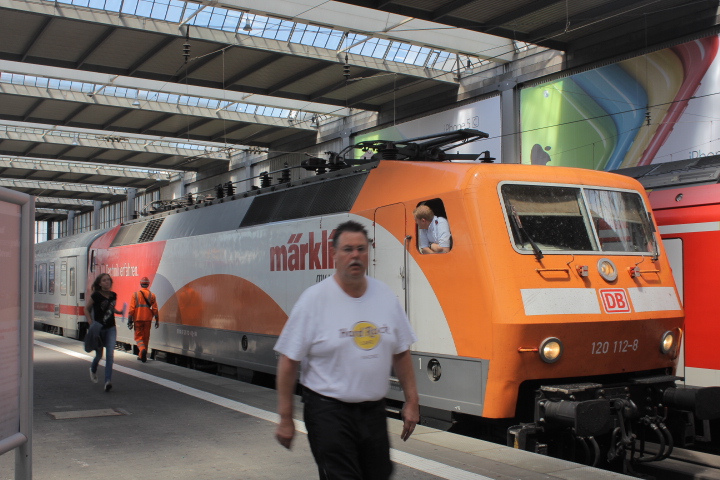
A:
x: 618, y: 346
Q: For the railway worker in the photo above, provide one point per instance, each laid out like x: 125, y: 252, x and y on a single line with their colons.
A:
x: 345, y: 333
x: 433, y: 231
x: 100, y: 307
x: 143, y: 309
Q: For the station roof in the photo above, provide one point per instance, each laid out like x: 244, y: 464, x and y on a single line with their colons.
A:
x: 130, y: 93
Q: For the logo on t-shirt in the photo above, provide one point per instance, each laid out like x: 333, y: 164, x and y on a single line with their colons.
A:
x: 365, y: 334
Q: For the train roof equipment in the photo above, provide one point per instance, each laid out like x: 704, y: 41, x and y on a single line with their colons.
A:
x: 696, y: 171
x: 432, y: 148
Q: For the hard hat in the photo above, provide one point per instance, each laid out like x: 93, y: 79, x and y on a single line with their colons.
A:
x: 144, y: 282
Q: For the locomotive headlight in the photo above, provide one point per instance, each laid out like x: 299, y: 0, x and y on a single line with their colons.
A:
x: 551, y: 350
x: 667, y: 343
x: 607, y: 269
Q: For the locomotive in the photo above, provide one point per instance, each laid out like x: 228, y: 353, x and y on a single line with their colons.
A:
x: 554, y: 313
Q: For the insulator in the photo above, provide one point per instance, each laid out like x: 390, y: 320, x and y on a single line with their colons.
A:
x: 264, y: 180
x: 186, y: 50
x: 285, y: 177
x: 219, y: 192
x: 389, y: 153
x: 229, y: 189
x: 190, y: 199
x: 346, y: 68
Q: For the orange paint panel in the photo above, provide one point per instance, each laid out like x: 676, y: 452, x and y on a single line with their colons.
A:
x: 599, y: 348
x: 225, y: 302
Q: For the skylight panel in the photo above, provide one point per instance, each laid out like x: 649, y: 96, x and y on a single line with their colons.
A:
x: 220, y: 18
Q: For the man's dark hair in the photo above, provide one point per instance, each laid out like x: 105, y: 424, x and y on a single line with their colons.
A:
x: 349, y: 226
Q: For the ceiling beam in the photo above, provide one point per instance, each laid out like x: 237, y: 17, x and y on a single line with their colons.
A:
x: 150, y: 53
x: 98, y: 41
x: 65, y: 201
x: 46, y: 165
x: 34, y: 38
x: 32, y: 109
x: 277, y: 87
x: 62, y: 187
x: 7, y: 66
x: 127, y: 106
x: 38, y: 134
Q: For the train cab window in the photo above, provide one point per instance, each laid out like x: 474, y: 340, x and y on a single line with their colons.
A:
x: 51, y: 279
x: 71, y: 282
x: 433, y: 229
x: 63, y: 278
x: 41, y: 277
x: 621, y: 221
x: 548, y: 218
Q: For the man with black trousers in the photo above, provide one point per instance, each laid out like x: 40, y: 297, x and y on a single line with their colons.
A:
x: 345, y: 334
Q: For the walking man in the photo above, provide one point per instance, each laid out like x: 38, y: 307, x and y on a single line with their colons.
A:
x: 143, y: 308
x: 348, y: 331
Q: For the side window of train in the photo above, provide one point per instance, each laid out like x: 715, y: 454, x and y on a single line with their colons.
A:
x: 92, y: 260
x: 63, y: 278
x: 432, y: 227
x: 51, y: 279
x: 41, y: 277
x: 71, y: 282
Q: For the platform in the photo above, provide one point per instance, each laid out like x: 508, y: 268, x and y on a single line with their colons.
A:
x: 161, y: 421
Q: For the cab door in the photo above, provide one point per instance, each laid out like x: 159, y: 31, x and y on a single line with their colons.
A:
x: 389, y: 260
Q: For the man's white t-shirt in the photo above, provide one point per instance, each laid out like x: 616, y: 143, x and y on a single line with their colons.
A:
x: 438, y: 231
x: 346, y: 344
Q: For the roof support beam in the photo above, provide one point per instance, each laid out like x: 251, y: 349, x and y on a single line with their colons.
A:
x: 252, y: 69
x: 39, y: 134
x: 65, y: 187
x: 271, y: 90
x: 43, y: 164
x: 65, y: 201
x: 447, y: 9
x: 7, y: 66
x: 99, y: 41
x: 35, y: 37
x: 126, y: 104
x: 120, y: 115
x: 160, y: 46
x: 192, y: 127
x: 196, y: 64
x: 75, y: 113
x: 32, y: 109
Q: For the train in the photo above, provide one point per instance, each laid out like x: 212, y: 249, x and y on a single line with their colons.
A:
x: 554, y: 314
x: 685, y: 198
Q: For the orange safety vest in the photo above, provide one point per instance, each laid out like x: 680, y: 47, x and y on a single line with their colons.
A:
x: 143, y: 307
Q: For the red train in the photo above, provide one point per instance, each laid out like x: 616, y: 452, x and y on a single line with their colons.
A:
x: 685, y: 199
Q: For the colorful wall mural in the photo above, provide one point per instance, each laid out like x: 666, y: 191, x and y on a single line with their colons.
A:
x: 654, y: 108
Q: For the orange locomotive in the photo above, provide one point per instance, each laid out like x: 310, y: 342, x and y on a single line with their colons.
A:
x: 554, y: 307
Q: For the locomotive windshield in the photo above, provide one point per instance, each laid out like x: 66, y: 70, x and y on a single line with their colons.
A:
x: 546, y: 219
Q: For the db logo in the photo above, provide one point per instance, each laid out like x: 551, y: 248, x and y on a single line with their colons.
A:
x: 615, y: 300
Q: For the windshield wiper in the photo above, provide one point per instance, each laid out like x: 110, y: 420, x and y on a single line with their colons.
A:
x: 650, y: 226
x: 518, y: 225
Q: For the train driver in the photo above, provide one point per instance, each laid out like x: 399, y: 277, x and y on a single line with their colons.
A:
x: 433, y: 231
